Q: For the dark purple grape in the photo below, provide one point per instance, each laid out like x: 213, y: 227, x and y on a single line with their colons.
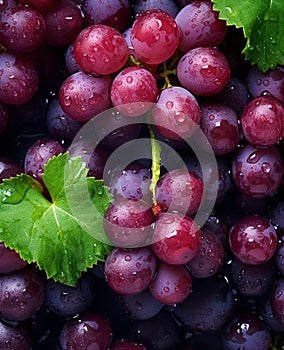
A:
x: 14, y: 337
x: 203, y: 71
x: 64, y: 21
x: 66, y: 300
x: 100, y: 49
x: 70, y: 61
x: 9, y: 168
x: 172, y: 284
x: 131, y: 182
x: 252, y: 280
x: 279, y: 258
x: 130, y: 271
x: 247, y: 332
x: 113, y: 13
x: 210, y: 256
x: 265, y: 311
x: 126, y: 345
x: 253, y: 240
x: 276, y: 216
x: 266, y: 83
x: 10, y: 260
x: 179, y: 190
x: 220, y: 125
x: 200, y: 25
x: 157, y: 333
x: 22, y: 29
x: 60, y: 126
x: 257, y: 172
x: 86, y: 331
x: 208, y: 307
x: 141, y: 306
x: 4, y: 114
x: 127, y: 222
x: 176, y: 238
x: 40, y: 5
x: 21, y: 294
x: 277, y: 299
x: 18, y: 78
x: 246, y: 205
x: 262, y: 121
x: 168, y: 6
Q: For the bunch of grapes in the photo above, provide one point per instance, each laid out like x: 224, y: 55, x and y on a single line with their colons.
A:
x: 197, y: 259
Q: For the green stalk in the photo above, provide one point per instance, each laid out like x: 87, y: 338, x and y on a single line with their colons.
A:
x: 156, y: 164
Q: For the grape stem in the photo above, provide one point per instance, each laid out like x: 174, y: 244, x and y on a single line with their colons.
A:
x: 165, y: 74
x: 156, y: 165
x: 133, y: 61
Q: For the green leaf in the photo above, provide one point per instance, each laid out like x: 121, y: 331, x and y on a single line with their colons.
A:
x: 262, y: 22
x: 51, y: 233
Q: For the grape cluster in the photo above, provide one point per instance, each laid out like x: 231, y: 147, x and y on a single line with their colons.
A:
x: 168, y: 69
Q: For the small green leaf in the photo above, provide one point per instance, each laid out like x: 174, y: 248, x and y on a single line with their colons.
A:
x: 262, y: 22
x: 48, y: 232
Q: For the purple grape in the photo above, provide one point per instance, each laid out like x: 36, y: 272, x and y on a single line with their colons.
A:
x: 257, y: 172
x: 279, y: 258
x: 277, y: 299
x: 10, y: 260
x: 203, y: 71
x: 262, y: 121
x: 210, y: 256
x: 200, y: 25
x: 247, y: 332
x: 126, y: 345
x: 269, y: 82
x: 172, y: 284
x: 70, y: 61
x: 113, y: 13
x: 64, y: 22
x: 40, y: 5
x: 220, y: 125
x: 127, y: 222
x: 154, y: 36
x: 140, y: 306
x: 86, y: 331
x: 252, y: 280
x: 66, y: 300
x: 7, y: 4
x: 133, y: 91
x: 21, y: 294
x: 176, y: 238
x: 22, y: 29
x: 253, y: 240
x: 180, y: 190
x: 208, y: 307
x: 82, y: 96
x: 130, y: 271
x: 265, y: 311
x: 18, y: 78
x: 276, y: 216
x: 61, y: 127
x: 100, y: 49
x: 177, y: 113
x: 9, y: 168
x: 14, y: 337
x: 168, y: 6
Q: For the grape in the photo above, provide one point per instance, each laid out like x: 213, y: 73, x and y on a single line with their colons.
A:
x: 40, y: 5
x: 172, y: 284
x: 113, y: 13
x: 22, y: 29
x: 220, y: 125
x: 203, y: 71
x: 86, y: 331
x: 154, y: 36
x: 21, y: 294
x: 200, y: 25
x: 269, y: 82
x: 208, y: 307
x: 262, y: 121
x: 14, y: 337
x: 176, y: 238
x: 126, y: 345
x: 59, y: 125
x: 133, y: 87
x: 246, y: 331
x: 140, y: 306
x: 64, y: 22
x: 127, y: 222
x: 168, y: 6
x: 70, y: 61
x: 3, y: 118
x: 82, y: 96
x: 177, y: 113
x: 253, y: 280
x: 7, y: 4
x: 253, y: 240
x: 18, y: 78
x: 130, y: 271
x: 210, y: 256
x: 257, y: 172
x: 9, y: 167
x: 279, y: 258
x: 10, y: 260
x: 277, y: 299
x: 265, y: 311
x: 66, y: 300
x: 100, y: 49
